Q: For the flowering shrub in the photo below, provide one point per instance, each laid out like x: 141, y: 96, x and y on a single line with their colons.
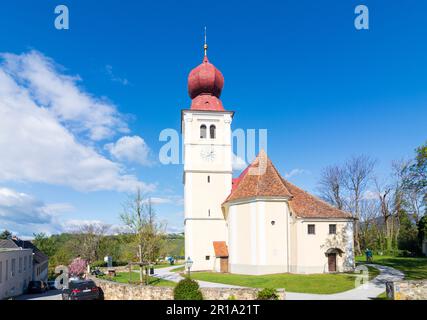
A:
x: 77, y: 267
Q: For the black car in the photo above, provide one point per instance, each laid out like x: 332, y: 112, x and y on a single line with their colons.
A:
x: 37, y: 287
x: 51, y: 285
x: 82, y: 290
x: 97, y: 272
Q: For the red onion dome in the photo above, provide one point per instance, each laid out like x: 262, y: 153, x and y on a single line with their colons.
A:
x: 205, y: 84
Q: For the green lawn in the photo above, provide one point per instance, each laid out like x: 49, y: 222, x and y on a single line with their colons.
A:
x: 413, y: 268
x: 382, y: 296
x: 123, y: 277
x: 158, y: 266
x: 312, y: 283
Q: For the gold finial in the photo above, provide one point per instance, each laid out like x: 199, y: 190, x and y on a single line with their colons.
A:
x: 206, y: 45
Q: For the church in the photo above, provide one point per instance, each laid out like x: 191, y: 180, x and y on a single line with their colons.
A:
x: 258, y: 223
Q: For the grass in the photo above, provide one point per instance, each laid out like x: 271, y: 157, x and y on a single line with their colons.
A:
x: 123, y: 277
x: 413, y: 268
x: 382, y: 296
x: 373, y: 272
x: 312, y: 283
x: 158, y: 266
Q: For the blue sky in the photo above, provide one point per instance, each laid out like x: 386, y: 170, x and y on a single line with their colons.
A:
x: 300, y: 69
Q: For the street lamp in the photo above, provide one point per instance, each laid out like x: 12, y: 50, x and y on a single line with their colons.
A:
x: 188, y: 264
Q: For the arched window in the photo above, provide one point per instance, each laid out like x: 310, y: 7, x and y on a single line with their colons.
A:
x: 212, y: 131
x: 202, y: 131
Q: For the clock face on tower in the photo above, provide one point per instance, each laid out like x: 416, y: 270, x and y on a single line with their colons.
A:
x: 208, y: 154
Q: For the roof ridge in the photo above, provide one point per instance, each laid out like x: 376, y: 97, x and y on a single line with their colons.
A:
x: 315, y: 197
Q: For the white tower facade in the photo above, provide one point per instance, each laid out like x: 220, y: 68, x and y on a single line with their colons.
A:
x: 206, y: 130
x: 207, y: 183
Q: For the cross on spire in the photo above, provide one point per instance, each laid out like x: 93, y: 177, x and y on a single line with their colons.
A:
x: 205, y: 47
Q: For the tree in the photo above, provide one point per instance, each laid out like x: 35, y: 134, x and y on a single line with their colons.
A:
x: 139, y: 216
x: 408, y: 233
x: 44, y: 244
x: 345, y: 186
x: 422, y: 230
x: 331, y: 186
x: 357, y: 174
x: 415, y: 182
x: 89, y: 239
x: 5, y: 235
x: 369, y: 214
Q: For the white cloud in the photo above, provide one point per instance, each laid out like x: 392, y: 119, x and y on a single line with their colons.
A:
x: 238, y: 163
x: 113, y: 77
x: 175, y: 229
x: 370, y: 195
x: 75, y: 224
x: 61, y: 95
x: 24, y: 215
x: 130, y: 149
x: 295, y: 172
x: 40, y: 113
x: 175, y: 200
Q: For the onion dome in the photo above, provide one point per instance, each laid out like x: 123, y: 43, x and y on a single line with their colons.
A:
x: 205, y: 83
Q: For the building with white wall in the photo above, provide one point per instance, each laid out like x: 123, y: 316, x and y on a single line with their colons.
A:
x: 258, y: 223
x: 15, y: 270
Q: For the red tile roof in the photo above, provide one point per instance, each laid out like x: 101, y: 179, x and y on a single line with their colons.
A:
x: 261, y: 179
x: 220, y: 248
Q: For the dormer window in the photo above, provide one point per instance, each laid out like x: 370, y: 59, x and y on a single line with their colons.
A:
x: 212, y: 131
x: 203, y: 132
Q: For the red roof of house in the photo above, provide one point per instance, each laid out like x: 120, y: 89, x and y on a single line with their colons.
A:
x: 261, y: 179
x: 220, y: 248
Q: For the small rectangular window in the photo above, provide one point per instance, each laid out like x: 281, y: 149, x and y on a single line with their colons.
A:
x: 332, y: 229
x: 208, y: 257
x: 311, y: 229
x: 209, y: 179
x: 13, y: 267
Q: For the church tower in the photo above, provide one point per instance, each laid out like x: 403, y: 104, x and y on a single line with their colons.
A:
x: 206, y: 130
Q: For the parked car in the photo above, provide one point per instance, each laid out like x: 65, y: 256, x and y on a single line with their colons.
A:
x: 97, y: 272
x: 82, y: 290
x: 37, y: 287
x: 51, y: 285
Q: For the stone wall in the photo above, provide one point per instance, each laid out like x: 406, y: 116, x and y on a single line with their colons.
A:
x: 407, y: 290
x: 121, y: 291
x: 236, y: 293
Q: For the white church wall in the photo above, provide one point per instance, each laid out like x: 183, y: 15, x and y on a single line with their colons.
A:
x: 199, y: 245
x: 311, y: 248
x: 258, y: 246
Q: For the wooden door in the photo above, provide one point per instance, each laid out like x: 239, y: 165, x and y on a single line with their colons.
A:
x: 224, y: 265
x: 332, y: 262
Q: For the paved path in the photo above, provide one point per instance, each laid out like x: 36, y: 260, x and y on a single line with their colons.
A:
x: 49, y: 295
x: 167, y: 274
x: 366, y: 291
